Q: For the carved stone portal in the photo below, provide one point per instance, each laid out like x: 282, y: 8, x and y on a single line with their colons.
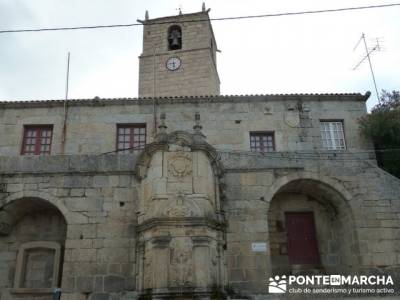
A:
x: 180, y: 228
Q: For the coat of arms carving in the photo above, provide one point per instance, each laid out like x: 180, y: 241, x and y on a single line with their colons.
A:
x: 180, y: 165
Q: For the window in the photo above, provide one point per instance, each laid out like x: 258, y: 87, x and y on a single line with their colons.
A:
x: 174, y: 37
x: 262, y: 141
x: 38, y: 267
x: 37, y: 140
x: 332, y: 135
x: 131, y: 137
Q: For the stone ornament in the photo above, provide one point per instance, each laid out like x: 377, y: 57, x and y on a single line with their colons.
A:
x: 181, y: 264
x: 291, y: 118
x: 179, y: 212
x: 180, y: 165
x: 180, y: 208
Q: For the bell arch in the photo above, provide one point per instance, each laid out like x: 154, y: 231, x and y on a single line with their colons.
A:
x: 323, y: 204
x: 174, y: 37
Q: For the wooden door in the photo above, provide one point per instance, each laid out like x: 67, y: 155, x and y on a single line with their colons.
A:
x: 301, y: 238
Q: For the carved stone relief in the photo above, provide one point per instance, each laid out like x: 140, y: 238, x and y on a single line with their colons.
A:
x: 181, y: 263
x: 180, y: 165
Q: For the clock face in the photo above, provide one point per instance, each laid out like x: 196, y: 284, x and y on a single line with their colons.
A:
x: 173, y: 63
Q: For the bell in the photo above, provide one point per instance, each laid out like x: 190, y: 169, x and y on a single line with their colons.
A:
x: 175, y: 43
x: 174, y: 40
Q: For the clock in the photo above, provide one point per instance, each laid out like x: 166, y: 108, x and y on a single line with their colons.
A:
x: 173, y: 63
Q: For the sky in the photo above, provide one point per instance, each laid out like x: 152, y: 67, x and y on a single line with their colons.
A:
x: 279, y: 55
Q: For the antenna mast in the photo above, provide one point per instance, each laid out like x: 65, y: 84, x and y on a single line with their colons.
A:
x: 64, y: 132
x: 367, y: 56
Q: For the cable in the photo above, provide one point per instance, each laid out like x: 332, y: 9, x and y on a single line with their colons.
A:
x: 294, y: 155
x: 205, y: 20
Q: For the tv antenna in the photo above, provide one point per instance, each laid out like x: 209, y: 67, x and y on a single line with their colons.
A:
x: 368, y: 52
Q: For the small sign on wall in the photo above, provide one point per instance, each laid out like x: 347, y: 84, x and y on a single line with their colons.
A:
x: 259, y: 247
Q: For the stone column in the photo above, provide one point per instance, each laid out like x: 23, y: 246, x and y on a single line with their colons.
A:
x: 140, y: 267
x: 161, y: 261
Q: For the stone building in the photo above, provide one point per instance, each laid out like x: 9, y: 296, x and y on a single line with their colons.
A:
x: 183, y: 193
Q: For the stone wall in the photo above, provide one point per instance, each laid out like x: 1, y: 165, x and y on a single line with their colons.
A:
x: 98, y: 202
x: 97, y: 195
x: 226, y: 121
x: 256, y: 187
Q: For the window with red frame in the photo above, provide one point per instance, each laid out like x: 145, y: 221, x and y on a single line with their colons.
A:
x: 37, y: 140
x: 131, y: 137
x: 262, y: 141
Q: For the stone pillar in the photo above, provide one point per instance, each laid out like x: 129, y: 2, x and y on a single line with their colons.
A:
x: 201, y: 249
x: 161, y: 261
x: 140, y: 267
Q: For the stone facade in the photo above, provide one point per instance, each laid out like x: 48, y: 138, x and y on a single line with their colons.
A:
x: 182, y: 218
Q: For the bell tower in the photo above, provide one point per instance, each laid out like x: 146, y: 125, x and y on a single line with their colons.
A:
x: 179, y: 56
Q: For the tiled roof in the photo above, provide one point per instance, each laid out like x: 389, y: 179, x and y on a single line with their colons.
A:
x: 97, y: 101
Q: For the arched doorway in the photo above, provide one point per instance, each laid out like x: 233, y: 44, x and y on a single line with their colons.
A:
x: 311, y: 229
x: 31, y: 244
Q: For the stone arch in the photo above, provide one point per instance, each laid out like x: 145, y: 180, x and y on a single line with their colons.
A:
x: 184, y: 139
x: 35, y: 230
x: 174, y: 37
x: 70, y: 217
x: 328, y: 181
x: 328, y: 203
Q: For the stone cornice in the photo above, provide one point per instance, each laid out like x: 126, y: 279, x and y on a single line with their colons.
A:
x: 233, y: 162
x: 179, y: 221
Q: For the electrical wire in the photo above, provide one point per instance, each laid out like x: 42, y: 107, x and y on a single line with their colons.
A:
x: 205, y: 20
x: 294, y: 155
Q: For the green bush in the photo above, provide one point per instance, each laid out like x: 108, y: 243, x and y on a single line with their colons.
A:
x: 382, y: 126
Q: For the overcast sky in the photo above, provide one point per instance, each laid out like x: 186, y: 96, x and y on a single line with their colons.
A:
x: 292, y: 54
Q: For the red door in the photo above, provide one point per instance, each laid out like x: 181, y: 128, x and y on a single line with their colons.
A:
x: 302, y: 241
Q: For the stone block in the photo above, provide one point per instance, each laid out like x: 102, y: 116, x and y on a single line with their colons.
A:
x: 83, y: 204
x: 81, y: 231
x: 100, y: 296
x: 78, y: 243
x: 62, y: 192
x: 113, y: 255
x: 384, y: 259
x: 77, y: 192
x: 100, y: 181
x: 84, y: 255
x: 109, y: 162
x: 236, y: 275
x: 14, y: 187
x: 98, y: 284
x: 84, y: 284
x: 113, y: 283
x: 8, y: 256
x: 76, y: 181
x: 73, y: 296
